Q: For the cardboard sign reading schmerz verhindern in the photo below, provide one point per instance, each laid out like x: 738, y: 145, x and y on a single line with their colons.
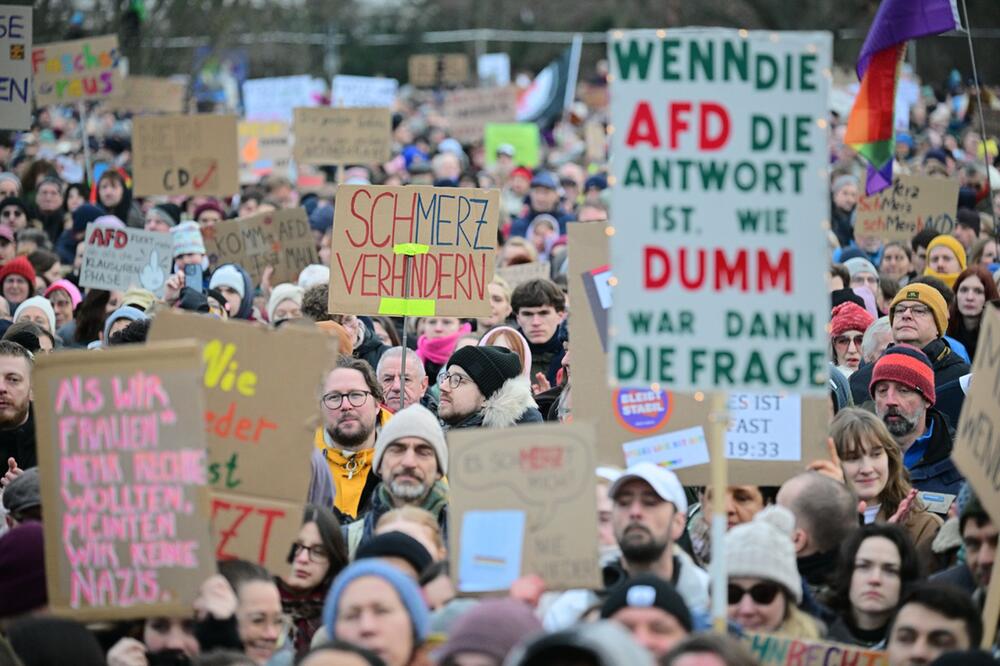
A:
x: 116, y: 259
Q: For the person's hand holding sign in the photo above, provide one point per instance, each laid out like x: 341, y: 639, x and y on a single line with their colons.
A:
x: 217, y: 599
x: 831, y: 467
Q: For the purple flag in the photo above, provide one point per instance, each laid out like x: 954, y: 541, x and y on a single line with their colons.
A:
x: 898, y: 21
x: 878, y: 179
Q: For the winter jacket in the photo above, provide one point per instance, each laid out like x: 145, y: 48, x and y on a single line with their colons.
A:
x: 935, y: 472
x: 19, y: 443
x: 922, y: 526
x: 521, y: 224
x: 842, y: 225
x: 361, y: 531
x: 547, y: 357
x: 511, y: 405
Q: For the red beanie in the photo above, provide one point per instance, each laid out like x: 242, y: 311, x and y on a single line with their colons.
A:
x: 19, y: 266
x: 849, y: 316
x: 907, y: 365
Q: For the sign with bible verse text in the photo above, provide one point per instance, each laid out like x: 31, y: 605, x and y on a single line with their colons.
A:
x: 124, y: 480
x: 280, y: 238
x: 117, y: 259
x: 720, y: 168
x: 185, y: 155
x: 446, y: 236
x: 912, y: 204
x: 15, y: 47
x: 342, y: 136
x: 522, y: 502
x: 76, y: 71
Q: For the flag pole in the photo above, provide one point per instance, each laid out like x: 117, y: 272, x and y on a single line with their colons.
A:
x: 982, y: 117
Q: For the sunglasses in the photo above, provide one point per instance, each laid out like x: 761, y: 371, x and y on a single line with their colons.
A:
x: 844, y: 340
x: 761, y: 593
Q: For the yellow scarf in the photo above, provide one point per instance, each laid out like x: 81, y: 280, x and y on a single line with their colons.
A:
x: 350, y: 473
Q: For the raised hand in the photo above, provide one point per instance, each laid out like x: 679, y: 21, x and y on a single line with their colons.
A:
x: 903, y: 512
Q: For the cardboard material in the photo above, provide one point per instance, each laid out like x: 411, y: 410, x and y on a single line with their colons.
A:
x: 546, y: 473
x: 148, y: 94
x: 116, y: 259
x: 94, y: 73
x: 467, y: 112
x: 772, y: 650
x: 274, y: 98
x: 342, y: 136
x: 15, y: 63
x: 281, y: 239
x: 523, y: 136
x: 519, y: 273
x: 449, y: 232
x: 910, y: 205
x: 255, y: 529
x: 597, y: 145
x: 630, y: 414
x: 363, y: 91
x: 265, y: 149
x: 185, y: 155
x: 448, y: 69
x: 720, y: 192
x: 123, y: 475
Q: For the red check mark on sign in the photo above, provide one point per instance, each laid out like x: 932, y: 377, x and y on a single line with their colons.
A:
x: 200, y: 182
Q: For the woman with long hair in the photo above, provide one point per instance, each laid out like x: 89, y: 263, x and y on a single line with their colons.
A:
x: 974, y: 288
x: 115, y: 196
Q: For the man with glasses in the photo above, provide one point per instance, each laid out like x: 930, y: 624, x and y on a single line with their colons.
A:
x: 352, y: 412
x: 483, y: 387
x: 414, y: 386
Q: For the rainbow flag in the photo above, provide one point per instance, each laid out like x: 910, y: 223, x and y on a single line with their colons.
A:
x: 870, y: 128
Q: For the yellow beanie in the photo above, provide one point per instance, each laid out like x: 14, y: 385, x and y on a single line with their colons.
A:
x: 929, y: 296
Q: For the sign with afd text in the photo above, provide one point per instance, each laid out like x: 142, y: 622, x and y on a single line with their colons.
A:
x: 450, y: 234
x: 69, y: 72
x: 909, y: 206
x: 260, y: 413
x: 185, y: 155
x: 123, y: 476
x: 117, y: 259
x: 280, y: 238
x: 719, y: 165
x: 15, y: 84
x: 342, y: 136
x: 522, y: 502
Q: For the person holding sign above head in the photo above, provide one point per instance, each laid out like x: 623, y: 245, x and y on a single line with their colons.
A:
x: 483, y: 387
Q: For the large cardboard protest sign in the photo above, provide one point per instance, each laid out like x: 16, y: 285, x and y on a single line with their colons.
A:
x: 522, y: 502
x: 281, y: 239
x: 524, y: 137
x: 719, y: 164
x: 274, y: 98
x: 363, y: 91
x: 148, y: 94
x: 447, y: 236
x: 265, y: 149
x: 770, y: 437
x: 15, y: 85
x: 260, y: 418
x: 185, y: 155
x: 910, y: 205
x: 123, y: 475
x: 76, y: 71
x: 117, y: 259
x: 520, y: 273
x: 772, y: 650
x: 342, y: 136
x: 467, y: 112
x: 449, y: 69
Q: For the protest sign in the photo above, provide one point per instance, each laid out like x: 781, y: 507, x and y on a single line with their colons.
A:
x: 148, y: 94
x: 265, y: 149
x: 523, y: 136
x: 185, y: 155
x: 123, y: 477
x: 280, y: 238
x: 770, y: 435
x: 448, y: 69
x: 772, y: 650
x: 597, y: 147
x: 493, y: 69
x: 522, y: 502
x: 342, y: 136
x: 467, y: 112
x: 715, y: 288
x: 274, y: 98
x: 363, y: 91
x: 449, y: 232
x: 69, y: 72
x: 117, y: 259
x: 519, y: 273
x: 260, y: 418
x: 911, y: 204
x: 15, y: 85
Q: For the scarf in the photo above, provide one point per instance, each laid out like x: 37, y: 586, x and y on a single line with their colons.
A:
x: 349, y: 472
x: 947, y: 278
x: 439, y: 350
x: 305, y: 610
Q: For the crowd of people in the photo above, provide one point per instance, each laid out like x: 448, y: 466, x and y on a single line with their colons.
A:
x: 883, y: 545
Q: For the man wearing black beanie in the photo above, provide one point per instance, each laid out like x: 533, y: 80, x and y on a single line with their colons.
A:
x: 652, y: 610
x: 484, y: 387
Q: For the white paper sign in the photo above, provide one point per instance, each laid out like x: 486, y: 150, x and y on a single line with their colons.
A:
x: 493, y: 69
x: 673, y: 450
x: 764, y: 427
x: 15, y: 63
x: 353, y: 91
x: 274, y: 98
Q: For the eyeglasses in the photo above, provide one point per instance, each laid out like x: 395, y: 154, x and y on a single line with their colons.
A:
x: 316, y: 554
x: 260, y: 621
x: 761, y: 593
x: 335, y: 400
x: 916, y: 310
x: 12, y: 213
x: 453, y: 380
x: 846, y: 341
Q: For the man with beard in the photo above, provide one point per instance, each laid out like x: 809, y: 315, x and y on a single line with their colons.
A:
x: 411, y: 457
x: 649, y: 512
x: 351, y: 403
x: 17, y: 424
x: 903, y: 387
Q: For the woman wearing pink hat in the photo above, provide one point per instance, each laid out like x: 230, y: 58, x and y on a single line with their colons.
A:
x: 64, y: 297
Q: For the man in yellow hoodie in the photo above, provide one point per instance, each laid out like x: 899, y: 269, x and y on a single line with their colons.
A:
x: 352, y: 412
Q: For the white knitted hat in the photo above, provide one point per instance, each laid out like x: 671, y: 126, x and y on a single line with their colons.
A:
x: 413, y: 421
x: 763, y: 548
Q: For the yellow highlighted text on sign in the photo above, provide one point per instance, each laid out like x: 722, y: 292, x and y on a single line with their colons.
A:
x: 417, y: 307
x: 410, y: 248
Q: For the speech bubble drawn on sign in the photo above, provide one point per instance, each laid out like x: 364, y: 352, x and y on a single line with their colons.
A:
x: 549, y: 473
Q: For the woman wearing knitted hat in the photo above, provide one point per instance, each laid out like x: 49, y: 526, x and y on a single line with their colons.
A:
x: 37, y: 310
x: 235, y: 284
x: 17, y: 281
x: 487, y: 632
x: 374, y: 605
x: 974, y: 288
x: 945, y: 259
x: 285, y: 303
x: 764, y: 584
x: 847, y: 329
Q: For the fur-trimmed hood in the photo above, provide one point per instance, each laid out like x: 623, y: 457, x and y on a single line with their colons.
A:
x: 513, y: 404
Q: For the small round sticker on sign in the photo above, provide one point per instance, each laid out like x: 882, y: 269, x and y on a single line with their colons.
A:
x: 642, y: 410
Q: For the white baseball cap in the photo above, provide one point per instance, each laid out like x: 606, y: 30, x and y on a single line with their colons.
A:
x: 664, y: 482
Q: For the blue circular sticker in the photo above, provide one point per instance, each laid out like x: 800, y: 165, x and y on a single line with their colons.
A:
x: 642, y: 410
